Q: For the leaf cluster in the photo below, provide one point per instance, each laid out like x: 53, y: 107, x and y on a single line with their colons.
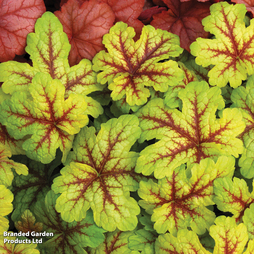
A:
x: 141, y: 147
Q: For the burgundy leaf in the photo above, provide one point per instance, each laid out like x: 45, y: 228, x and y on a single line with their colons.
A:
x: 183, y: 19
x: 128, y: 12
x: 147, y: 15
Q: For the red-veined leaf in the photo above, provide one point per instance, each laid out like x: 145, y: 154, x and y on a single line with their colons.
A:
x: 231, y: 51
x: 43, y: 114
x: 190, y: 135
x: 49, y: 49
x: 232, y: 196
x: 183, y: 19
x: 99, y: 173
x: 114, y: 243
x: 27, y: 223
x: 17, y: 19
x: 85, y: 26
x: 186, y: 242
x: 229, y: 237
x: 178, y: 202
x: 67, y: 237
x: 130, y: 66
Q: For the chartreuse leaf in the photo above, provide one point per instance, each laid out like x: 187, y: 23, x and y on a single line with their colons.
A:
x: 242, y: 98
x: 30, y: 189
x: 231, y: 52
x: 114, y: 243
x: 186, y: 242
x: 248, y: 220
x: 229, y: 237
x: 8, y: 245
x: 67, y: 237
x: 9, y: 142
x: 190, y: 135
x: 250, y: 248
x: 49, y: 48
x: 99, y: 173
x: 6, y: 166
x: 121, y: 107
x: 130, y: 66
x: 232, y: 196
x: 171, y: 96
x: 46, y: 116
x: 179, y: 202
x: 6, y: 198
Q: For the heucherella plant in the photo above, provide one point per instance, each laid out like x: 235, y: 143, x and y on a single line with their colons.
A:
x: 232, y: 49
x: 43, y: 113
x: 101, y: 174
x: 174, y: 207
x: 190, y: 135
x: 144, y: 149
x: 130, y: 66
x: 49, y: 48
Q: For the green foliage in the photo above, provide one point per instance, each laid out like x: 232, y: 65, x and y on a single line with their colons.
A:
x: 68, y: 237
x: 154, y: 172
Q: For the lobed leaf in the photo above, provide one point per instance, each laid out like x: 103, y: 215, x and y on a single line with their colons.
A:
x: 17, y: 20
x: 183, y: 19
x: 186, y: 242
x: 27, y: 223
x: 229, y: 237
x: 129, y: 12
x: 190, y: 135
x: 114, y: 243
x: 46, y: 116
x: 99, y: 173
x: 30, y: 189
x: 6, y: 166
x: 178, y: 202
x: 49, y: 49
x: 233, y: 197
x: 85, y: 24
x: 16, y: 248
x: 242, y: 98
x: 231, y: 52
x: 247, y: 3
x: 129, y: 65
x: 68, y: 237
